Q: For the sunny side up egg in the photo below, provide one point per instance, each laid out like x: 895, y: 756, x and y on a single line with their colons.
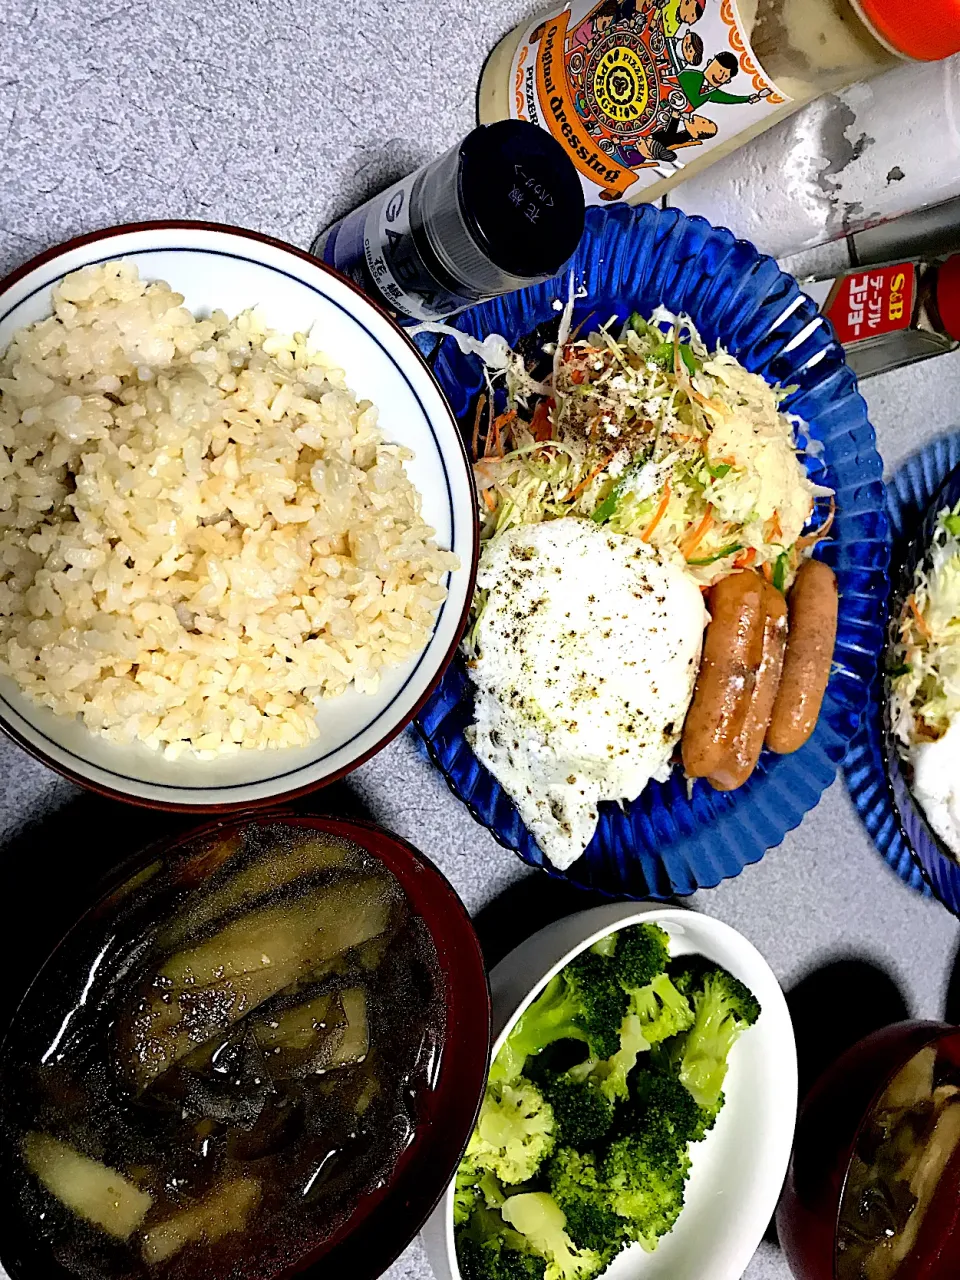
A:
x: 588, y: 649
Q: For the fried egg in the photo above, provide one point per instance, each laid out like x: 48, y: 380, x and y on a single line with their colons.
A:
x: 588, y: 647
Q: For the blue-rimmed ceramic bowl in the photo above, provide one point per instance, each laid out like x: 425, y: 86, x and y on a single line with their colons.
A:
x: 938, y: 865
x: 232, y: 269
x: 667, y: 842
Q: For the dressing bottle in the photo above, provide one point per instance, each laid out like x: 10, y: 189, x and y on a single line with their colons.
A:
x: 644, y: 92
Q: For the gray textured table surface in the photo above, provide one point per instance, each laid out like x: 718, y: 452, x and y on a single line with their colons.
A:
x: 280, y: 117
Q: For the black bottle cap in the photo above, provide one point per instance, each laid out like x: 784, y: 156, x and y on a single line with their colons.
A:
x: 521, y: 197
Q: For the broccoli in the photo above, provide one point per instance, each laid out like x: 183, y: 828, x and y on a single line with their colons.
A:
x: 656, y: 1011
x: 645, y: 1185
x: 514, y: 1132
x: 723, y: 1007
x: 642, y: 953
x: 466, y: 1192
x: 646, y: 1166
x: 583, y: 1114
x: 577, y: 1188
x: 495, y: 1261
x: 583, y: 1002
x: 488, y: 1250
x: 538, y: 1218
x: 611, y: 1075
x: 664, y: 1111
x: 662, y: 1009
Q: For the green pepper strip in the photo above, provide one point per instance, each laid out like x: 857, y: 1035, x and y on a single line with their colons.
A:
x: 720, y: 555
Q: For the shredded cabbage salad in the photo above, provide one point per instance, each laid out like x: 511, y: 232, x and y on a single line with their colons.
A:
x: 925, y: 683
x: 649, y: 433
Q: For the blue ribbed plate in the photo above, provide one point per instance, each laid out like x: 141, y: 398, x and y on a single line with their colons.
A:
x: 666, y: 843
x: 909, y: 494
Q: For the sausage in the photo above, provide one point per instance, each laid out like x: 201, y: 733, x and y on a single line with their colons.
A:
x: 812, y: 633
x: 744, y: 752
x: 732, y: 653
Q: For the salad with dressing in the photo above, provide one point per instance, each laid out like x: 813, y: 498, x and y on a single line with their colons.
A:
x: 925, y: 681
x: 648, y: 433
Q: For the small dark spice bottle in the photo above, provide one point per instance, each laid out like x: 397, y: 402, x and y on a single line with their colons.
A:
x: 500, y: 211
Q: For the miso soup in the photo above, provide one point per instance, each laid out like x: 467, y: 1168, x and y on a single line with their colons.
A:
x: 219, y: 1063
x: 904, y: 1178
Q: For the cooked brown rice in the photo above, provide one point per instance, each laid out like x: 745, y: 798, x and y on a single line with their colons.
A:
x: 202, y: 530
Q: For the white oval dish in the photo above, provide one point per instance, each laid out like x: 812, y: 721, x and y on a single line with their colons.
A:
x: 231, y: 269
x: 738, y: 1170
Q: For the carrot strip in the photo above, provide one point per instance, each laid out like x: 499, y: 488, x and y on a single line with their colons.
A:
x: 696, y: 536
x: 746, y: 558
x: 540, y: 427
x: 706, y: 403
x: 776, y: 530
x: 768, y: 572
x: 593, y: 475
x: 475, y: 441
x: 498, y: 423
x: 488, y: 499
x: 658, y: 516
x: 919, y: 618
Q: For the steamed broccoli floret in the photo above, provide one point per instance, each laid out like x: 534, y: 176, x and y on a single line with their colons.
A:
x: 487, y: 1249
x: 541, y: 1221
x: 466, y: 1192
x: 723, y: 1007
x: 611, y: 1075
x: 583, y: 1002
x: 656, y: 1012
x: 644, y: 1187
x: 577, y: 1188
x: 583, y: 1114
x: 474, y: 1186
x: 496, y: 1262
x: 664, y: 1111
x: 643, y: 951
x: 515, y: 1132
x: 663, y: 1010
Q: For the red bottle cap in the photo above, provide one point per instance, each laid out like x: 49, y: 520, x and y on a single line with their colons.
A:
x: 948, y: 296
x: 928, y: 30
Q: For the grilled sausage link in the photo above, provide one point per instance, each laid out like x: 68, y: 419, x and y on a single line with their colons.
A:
x: 732, y: 654
x: 813, y: 605
x: 741, y: 759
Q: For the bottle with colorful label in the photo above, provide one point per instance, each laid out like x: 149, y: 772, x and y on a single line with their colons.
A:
x: 642, y: 92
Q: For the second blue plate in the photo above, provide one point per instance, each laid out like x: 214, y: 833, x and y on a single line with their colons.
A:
x: 908, y: 495
x: 668, y: 842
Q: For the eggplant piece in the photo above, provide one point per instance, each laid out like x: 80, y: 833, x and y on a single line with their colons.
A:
x: 88, y: 1188
x: 372, y: 952
x: 354, y: 1042
x: 224, y: 1210
x: 302, y: 1035
x: 206, y: 989
x: 252, y: 882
